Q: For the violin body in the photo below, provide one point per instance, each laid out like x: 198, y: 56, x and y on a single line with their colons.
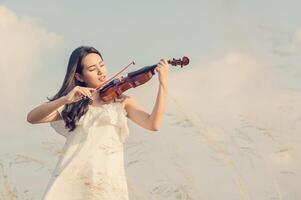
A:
x: 117, y: 86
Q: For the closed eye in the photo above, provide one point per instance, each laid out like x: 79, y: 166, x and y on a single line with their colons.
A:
x: 95, y: 68
x: 102, y: 65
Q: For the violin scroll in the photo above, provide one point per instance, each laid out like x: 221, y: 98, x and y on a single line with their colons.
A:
x: 182, y: 62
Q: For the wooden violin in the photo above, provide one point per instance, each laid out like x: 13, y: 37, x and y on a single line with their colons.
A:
x: 114, y: 88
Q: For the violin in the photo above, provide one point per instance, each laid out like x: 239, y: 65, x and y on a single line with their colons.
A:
x: 115, y: 87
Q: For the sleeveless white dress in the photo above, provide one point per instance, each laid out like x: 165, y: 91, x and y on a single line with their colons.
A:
x: 91, y: 165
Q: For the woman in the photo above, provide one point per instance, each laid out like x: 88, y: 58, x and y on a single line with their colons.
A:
x: 91, y: 165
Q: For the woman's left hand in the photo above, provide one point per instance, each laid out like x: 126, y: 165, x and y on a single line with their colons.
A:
x: 162, y: 69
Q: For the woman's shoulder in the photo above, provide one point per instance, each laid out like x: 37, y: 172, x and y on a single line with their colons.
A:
x: 125, y: 100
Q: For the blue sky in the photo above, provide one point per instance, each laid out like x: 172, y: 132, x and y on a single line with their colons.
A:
x: 151, y: 30
x: 147, y: 31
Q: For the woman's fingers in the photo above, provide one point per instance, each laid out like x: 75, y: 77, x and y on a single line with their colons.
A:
x: 92, y: 90
x: 163, y: 62
x: 87, y: 91
x: 79, y: 93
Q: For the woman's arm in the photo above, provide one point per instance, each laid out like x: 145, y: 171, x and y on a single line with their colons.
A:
x: 151, y: 121
x: 46, y: 112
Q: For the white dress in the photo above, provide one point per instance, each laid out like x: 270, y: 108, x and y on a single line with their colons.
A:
x: 91, y: 165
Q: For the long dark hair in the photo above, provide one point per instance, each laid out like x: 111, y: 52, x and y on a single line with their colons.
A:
x: 73, y: 112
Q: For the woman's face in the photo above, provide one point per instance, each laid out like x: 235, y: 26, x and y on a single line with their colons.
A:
x: 94, y: 72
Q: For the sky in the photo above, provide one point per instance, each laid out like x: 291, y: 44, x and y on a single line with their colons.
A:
x: 232, y: 116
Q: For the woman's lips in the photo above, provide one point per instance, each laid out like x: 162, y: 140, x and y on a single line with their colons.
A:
x: 102, y: 78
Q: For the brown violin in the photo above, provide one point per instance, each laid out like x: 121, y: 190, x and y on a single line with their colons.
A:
x: 117, y: 86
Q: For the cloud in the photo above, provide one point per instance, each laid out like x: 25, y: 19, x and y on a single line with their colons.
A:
x: 297, y: 37
x: 220, y: 81
x: 235, y: 114
x: 23, y: 43
x: 236, y: 84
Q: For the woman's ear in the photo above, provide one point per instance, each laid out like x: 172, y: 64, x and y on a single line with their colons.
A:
x: 78, y: 77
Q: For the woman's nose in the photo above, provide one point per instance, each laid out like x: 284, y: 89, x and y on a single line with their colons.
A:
x: 99, y: 71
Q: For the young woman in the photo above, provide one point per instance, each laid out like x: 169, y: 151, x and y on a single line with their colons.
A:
x: 91, y: 164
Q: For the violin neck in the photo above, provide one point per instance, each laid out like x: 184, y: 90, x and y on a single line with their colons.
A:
x: 142, y: 70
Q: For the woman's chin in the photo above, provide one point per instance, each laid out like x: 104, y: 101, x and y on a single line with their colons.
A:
x: 100, y: 83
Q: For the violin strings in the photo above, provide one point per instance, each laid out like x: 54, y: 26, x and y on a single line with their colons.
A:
x: 97, y: 89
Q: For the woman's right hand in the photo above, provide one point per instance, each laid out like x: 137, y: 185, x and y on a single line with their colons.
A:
x: 77, y: 93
